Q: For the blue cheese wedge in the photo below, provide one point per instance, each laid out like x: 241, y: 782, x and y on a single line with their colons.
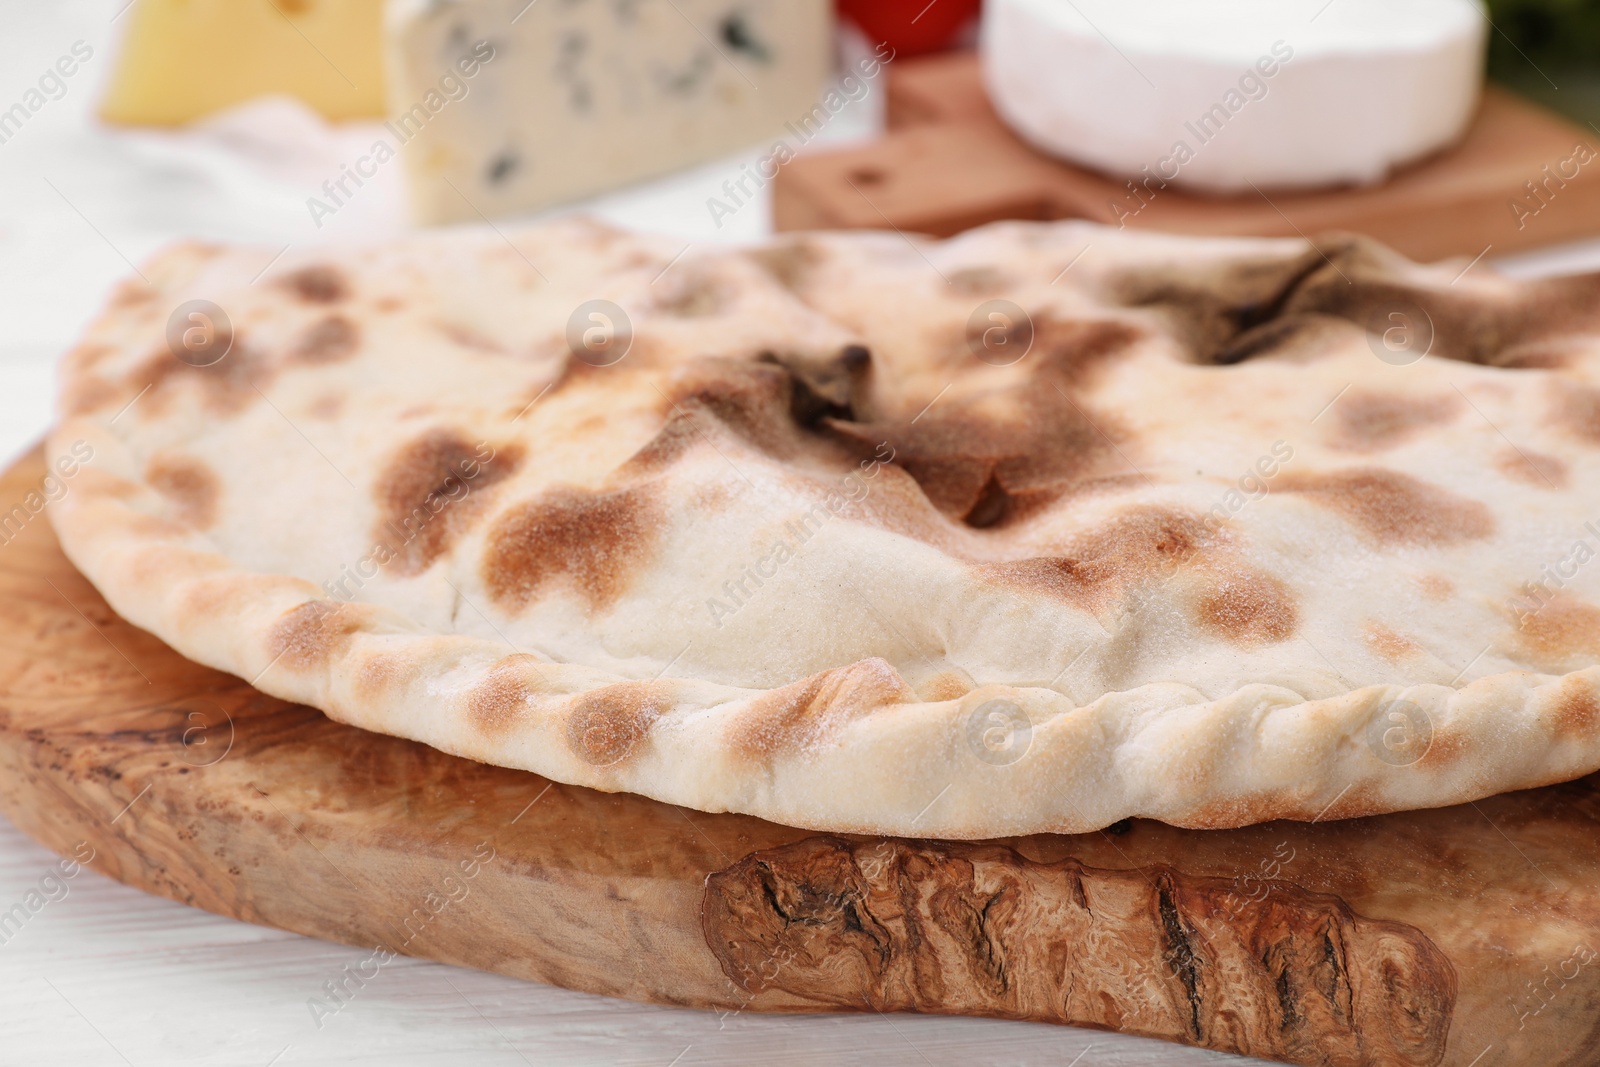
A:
x: 507, y: 106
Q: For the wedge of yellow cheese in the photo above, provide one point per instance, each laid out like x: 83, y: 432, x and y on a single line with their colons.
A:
x: 182, y: 59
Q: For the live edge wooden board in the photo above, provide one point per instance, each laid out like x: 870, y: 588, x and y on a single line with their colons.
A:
x: 1466, y: 936
x: 948, y: 163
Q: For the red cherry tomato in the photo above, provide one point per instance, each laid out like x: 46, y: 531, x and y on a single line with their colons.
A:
x: 910, y: 27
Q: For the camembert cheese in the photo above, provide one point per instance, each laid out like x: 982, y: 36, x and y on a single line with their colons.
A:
x: 1231, y: 96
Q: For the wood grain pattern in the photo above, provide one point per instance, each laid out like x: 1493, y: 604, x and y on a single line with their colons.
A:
x: 1463, y: 936
x: 948, y: 163
x: 983, y: 930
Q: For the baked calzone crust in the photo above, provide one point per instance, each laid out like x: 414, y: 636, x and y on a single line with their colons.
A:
x: 1033, y: 529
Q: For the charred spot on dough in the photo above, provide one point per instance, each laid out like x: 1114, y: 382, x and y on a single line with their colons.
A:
x: 691, y: 292
x: 227, y: 386
x: 423, y: 493
x: 529, y: 398
x: 1248, y: 608
x: 855, y: 357
x: 592, y: 542
x: 1561, y: 634
x: 1300, y: 337
x: 189, y: 485
x: 314, y: 633
x: 1520, y: 331
x: 467, y: 337
x: 1532, y: 468
x: 327, y: 406
x: 1238, y: 307
x: 1535, y: 355
x: 679, y: 435
x: 1436, y: 587
x: 575, y: 373
x: 1343, y: 276
x: 1352, y: 277
x: 1575, y: 711
x: 378, y: 675
x: 823, y: 387
x: 814, y: 709
x: 790, y: 261
x: 88, y: 355
x: 776, y: 402
x: 1446, y: 746
x: 132, y: 293
x: 1073, y: 349
x: 992, y: 459
x: 1211, y: 304
x: 222, y: 593
x: 328, y: 340
x: 607, y: 725
x: 992, y: 507
x: 1099, y: 566
x: 320, y: 284
x: 750, y: 398
x: 1392, y: 508
x: 495, y: 704
x: 1391, y: 644
x: 1577, y: 410
x: 84, y: 394
x: 712, y: 497
x: 946, y: 685
x: 953, y: 477
x: 987, y: 459
x: 1370, y: 421
x: 892, y: 501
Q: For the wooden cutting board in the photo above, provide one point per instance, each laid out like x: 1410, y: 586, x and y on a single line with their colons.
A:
x: 1466, y: 936
x: 948, y: 163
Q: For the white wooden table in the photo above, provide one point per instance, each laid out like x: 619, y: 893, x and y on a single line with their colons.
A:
x: 108, y: 975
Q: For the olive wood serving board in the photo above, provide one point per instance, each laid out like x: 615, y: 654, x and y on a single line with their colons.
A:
x: 948, y: 163
x: 1464, y: 936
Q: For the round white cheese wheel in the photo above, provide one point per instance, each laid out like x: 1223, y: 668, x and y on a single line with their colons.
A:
x: 1218, y: 94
